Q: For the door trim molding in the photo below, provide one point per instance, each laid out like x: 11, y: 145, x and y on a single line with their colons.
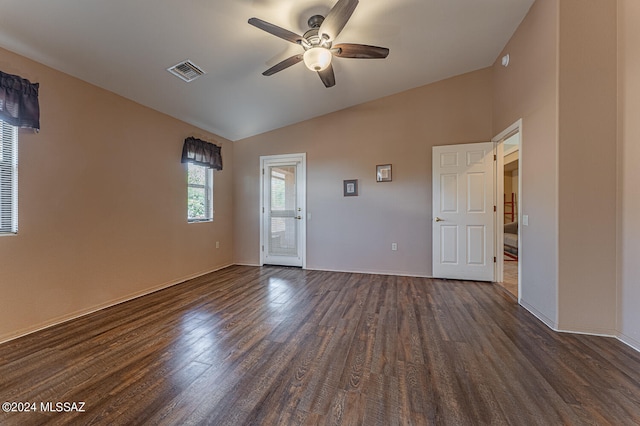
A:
x: 286, y: 158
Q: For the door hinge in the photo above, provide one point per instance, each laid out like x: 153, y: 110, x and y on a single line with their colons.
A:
x: 495, y: 157
x: 263, y: 250
x: 263, y: 170
x: 263, y: 210
x: 495, y: 209
x: 494, y: 259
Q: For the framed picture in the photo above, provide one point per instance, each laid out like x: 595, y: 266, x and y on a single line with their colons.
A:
x: 383, y: 173
x: 350, y: 187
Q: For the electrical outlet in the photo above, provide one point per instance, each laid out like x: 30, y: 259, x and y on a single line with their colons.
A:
x: 217, y: 244
x: 394, y: 246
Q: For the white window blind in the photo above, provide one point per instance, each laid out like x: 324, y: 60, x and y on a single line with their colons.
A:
x: 8, y: 179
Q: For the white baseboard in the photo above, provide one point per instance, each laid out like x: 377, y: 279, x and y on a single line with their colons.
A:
x: 629, y: 341
x: 546, y: 320
x: 588, y: 333
x: 634, y: 344
x: 83, y: 312
x: 248, y: 264
x: 356, y: 271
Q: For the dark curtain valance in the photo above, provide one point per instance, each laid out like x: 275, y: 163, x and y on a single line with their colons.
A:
x: 202, y: 153
x: 19, y: 101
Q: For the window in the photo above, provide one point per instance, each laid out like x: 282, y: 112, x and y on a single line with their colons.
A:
x: 199, y: 193
x: 8, y: 178
x: 202, y: 159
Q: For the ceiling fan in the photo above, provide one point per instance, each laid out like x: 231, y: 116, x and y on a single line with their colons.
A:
x: 317, y: 42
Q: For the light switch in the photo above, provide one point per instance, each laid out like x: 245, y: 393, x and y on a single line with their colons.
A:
x: 394, y: 246
x: 525, y: 220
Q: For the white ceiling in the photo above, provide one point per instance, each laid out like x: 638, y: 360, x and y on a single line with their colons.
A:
x: 125, y: 46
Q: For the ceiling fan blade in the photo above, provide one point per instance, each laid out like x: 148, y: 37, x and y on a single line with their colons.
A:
x: 337, y: 18
x: 276, y: 30
x: 282, y: 65
x: 327, y: 76
x: 359, y: 51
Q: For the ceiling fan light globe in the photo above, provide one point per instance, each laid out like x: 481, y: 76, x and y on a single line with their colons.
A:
x: 317, y: 58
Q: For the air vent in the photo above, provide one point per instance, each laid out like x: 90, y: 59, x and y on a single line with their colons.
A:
x: 187, y: 70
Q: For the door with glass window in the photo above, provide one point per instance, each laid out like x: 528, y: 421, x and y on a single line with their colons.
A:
x: 283, y: 216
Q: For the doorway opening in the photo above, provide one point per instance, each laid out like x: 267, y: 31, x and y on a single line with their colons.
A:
x: 511, y: 175
x: 508, y: 197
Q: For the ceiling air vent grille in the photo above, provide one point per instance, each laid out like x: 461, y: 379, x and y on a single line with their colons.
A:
x: 187, y: 70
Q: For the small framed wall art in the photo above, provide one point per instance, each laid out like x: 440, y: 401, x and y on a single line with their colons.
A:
x: 350, y: 187
x: 383, y: 173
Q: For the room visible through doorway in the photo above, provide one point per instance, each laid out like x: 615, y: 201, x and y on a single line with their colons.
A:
x: 511, y: 208
x: 508, y: 207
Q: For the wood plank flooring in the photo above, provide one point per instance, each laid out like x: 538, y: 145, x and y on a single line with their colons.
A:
x: 273, y: 346
x: 510, y: 278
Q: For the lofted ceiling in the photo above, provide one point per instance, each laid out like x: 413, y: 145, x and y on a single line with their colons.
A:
x: 126, y: 47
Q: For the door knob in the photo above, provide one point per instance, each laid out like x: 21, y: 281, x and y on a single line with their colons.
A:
x: 298, y: 217
x: 437, y: 219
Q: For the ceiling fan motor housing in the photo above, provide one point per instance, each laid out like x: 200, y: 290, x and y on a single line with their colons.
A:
x: 311, y: 38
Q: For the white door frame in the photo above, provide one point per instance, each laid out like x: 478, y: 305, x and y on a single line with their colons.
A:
x: 300, y: 158
x: 499, y: 243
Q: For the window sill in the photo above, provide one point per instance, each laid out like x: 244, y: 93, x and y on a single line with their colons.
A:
x: 199, y: 220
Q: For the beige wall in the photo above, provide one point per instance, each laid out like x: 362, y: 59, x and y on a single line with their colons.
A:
x: 355, y: 233
x: 562, y: 82
x: 102, y: 191
x: 102, y: 205
x: 587, y: 165
x: 528, y: 89
x: 629, y: 172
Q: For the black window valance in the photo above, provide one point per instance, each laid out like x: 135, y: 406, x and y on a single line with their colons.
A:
x: 19, y: 101
x: 202, y: 153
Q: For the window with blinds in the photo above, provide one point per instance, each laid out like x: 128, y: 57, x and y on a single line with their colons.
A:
x: 199, y: 193
x: 8, y: 179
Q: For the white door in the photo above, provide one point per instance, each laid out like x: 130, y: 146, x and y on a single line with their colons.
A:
x: 463, y: 211
x: 283, y: 222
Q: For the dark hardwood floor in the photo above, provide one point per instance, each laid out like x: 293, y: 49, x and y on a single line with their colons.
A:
x: 271, y: 345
